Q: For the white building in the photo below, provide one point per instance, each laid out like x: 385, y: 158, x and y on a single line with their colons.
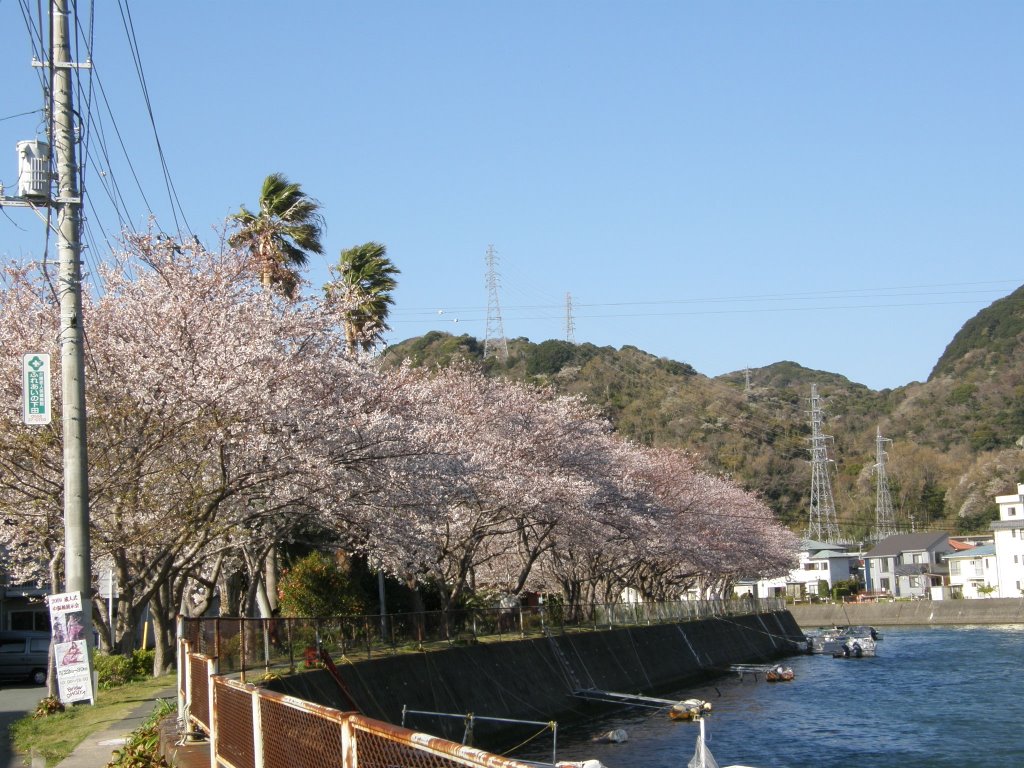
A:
x: 907, y: 564
x: 818, y: 562
x: 971, y: 570
x: 1009, y: 543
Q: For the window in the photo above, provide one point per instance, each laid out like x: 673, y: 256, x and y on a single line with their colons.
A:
x: 915, y: 582
x: 38, y: 621
x: 18, y: 646
x: 954, y: 568
x: 39, y: 644
x: 1015, y: 560
x: 919, y: 558
x: 1011, y: 511
x: 884, y: 584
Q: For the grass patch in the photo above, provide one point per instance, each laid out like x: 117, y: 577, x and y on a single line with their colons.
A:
x: 55, y: 736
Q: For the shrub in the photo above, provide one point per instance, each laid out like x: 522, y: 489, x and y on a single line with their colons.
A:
x: 318, y: 586
x: 114, y: 670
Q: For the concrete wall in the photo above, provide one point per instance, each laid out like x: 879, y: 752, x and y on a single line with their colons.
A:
x: 994, y: 611
x: 531, y: 680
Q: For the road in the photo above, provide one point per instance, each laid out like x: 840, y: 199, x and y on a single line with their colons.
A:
x: 15, y: 700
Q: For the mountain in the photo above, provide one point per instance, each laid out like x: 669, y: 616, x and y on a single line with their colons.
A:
x: 957, y: 440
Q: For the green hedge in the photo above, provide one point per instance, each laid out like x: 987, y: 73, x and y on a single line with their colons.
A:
x: 116, y: 670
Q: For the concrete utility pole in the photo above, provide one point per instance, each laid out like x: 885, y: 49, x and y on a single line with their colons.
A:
x: 68, y: 204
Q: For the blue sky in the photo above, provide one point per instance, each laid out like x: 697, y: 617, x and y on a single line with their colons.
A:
x: 724, y: 184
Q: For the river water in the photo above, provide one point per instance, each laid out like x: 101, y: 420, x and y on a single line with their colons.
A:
x: 932, y: 697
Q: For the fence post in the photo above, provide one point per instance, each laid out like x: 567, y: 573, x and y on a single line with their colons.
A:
x: 211, y: 685
x: 182, y: 650
x: 241, y: 646
x: 291, y: 646
x: 349, y: 751
x: 266, y: 643
x: 257, y: 729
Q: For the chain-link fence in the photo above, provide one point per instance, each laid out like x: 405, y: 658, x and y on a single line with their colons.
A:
x: 250, y: 727
x: 287, y: 644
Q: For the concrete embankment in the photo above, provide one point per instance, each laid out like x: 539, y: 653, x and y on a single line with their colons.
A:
x: 911, y: 612
x: 533, y: 679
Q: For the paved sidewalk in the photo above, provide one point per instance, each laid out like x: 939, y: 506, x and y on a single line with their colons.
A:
x: 97, y: 750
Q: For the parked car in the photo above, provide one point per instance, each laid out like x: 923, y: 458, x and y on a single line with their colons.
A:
x: 24, y: 656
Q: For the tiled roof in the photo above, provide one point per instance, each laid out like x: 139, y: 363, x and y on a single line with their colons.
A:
x: 960, y: 546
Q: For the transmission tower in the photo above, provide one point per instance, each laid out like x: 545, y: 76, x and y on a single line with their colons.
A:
x: 746, y: 380
x: 570, y: 324
x: 885, y: 520
x: 494, y: 336
x: 822, y: 525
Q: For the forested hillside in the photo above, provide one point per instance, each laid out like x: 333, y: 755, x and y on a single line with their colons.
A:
x: 957, y: 439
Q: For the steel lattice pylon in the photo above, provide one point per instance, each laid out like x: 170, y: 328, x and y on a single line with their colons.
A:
x: 885, y: 518
x: 822, y: 525
x: 494, y: 335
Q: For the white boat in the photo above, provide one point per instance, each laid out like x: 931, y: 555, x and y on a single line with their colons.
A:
x: 854, y: 647
x: 853, y: 642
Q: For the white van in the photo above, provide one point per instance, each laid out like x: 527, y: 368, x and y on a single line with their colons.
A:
x: 24, y: 656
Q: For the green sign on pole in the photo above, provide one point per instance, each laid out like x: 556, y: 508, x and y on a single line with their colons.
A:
x: 36, y: 388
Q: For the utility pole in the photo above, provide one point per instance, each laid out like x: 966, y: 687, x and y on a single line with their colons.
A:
x: 68, y: 203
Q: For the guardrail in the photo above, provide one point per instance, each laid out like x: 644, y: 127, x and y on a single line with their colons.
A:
x: 285, y: 644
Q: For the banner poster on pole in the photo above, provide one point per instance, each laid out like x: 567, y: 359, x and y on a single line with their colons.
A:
x: 70, y: 648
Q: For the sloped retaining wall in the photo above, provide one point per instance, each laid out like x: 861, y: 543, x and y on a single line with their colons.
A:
x: 993, y: 611
x: 532, y: 679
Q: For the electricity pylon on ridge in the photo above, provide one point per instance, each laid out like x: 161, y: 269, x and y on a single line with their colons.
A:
x: 885, y: 519
x: 570, y: 324
x: 494, y: 335
x: 822, y: 524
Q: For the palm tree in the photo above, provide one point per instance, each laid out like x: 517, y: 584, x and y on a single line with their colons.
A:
x: 281, y: 234
x: 365, y: 280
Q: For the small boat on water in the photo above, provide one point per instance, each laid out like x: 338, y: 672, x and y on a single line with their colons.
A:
x: 779, y: 674
x: 855, y: 648
x: 855, y: 641
x: 689, y: 709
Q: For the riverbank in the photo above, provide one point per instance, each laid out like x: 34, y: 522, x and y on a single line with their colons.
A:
x: 911, y: 612
x: 534, y: 678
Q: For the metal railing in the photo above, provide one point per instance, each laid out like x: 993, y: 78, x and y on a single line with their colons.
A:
x: 246, y: 645
x: 250, y: 727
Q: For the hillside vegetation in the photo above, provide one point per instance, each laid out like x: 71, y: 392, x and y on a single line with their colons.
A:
x: 957, y: 440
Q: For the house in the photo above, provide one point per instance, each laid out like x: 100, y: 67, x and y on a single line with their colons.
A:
x: 973, y: 572
x: 907, y: 564
x: 1009, y: 542
x: 819, y: 562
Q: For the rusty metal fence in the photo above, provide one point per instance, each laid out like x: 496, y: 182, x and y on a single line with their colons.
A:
x: 285, y: 644
x: 250, y: 727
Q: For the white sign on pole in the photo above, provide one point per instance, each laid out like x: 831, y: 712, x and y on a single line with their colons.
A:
x: 70, y: 649
x: 36, y: 388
